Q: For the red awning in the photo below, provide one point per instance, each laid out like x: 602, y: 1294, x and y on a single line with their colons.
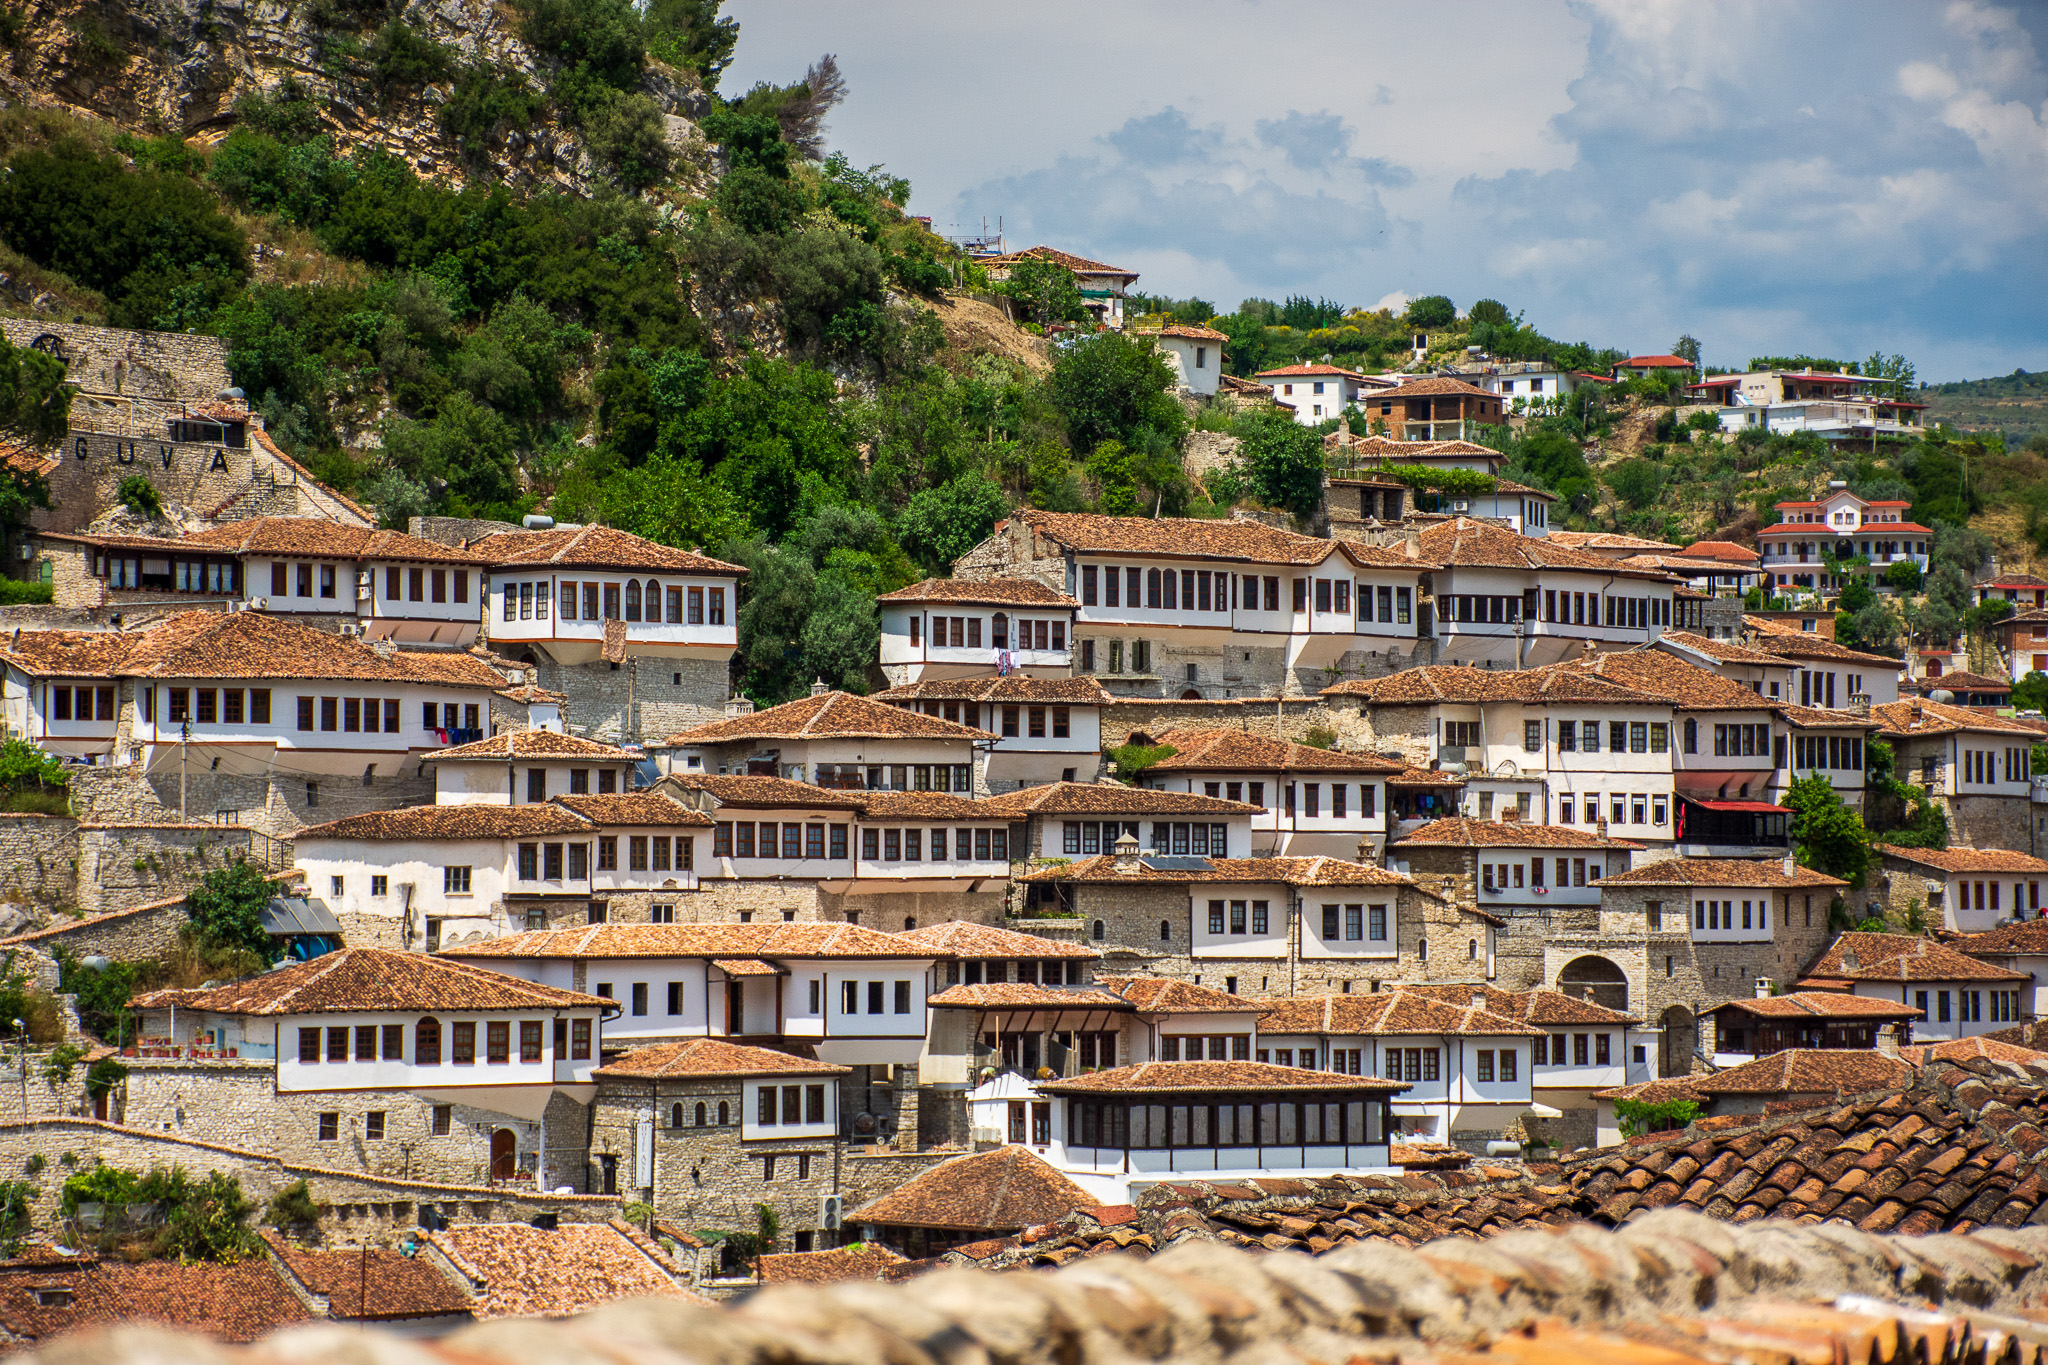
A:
x: 1744, y: 807
x: 1711, y: 783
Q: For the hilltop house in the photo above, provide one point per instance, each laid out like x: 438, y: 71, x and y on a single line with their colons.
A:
x: 1195, y: 354
x: 1103, y: 287
x: 1213, y: 609
x: 947, y: 628
x: 1835, y: 407
x: 1325, y: 801
x: 379, y: 1060
x: 1433, y: 408
x: 1317, y: 392
x: 1843, y: 526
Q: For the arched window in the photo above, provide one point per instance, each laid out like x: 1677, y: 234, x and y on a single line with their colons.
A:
x: 1098, y: 931
x: 1151, y: 588
x: 999, y: 631
x: 724, y: 1115
x: 654, y: 601
x: 1165, y: 931
x: 675, y: 1115
x: 1692, y: 736
x: 910, y: 921
x: 632, y: 599
x: 1472, y: 949
x: 700, y: 1113
x: 426, y: 1043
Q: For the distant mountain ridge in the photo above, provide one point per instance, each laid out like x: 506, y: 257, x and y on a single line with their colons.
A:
x: 2015, y: 404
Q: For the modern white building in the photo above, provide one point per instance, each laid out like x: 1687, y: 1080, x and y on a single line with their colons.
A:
x: 1835, y: 407
x: 1047, y: 729
x: 1843, y: 526
x: 1531, y: 386
x: 1318, y: 392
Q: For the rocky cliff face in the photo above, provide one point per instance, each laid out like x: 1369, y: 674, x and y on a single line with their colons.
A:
x: 179, y: 66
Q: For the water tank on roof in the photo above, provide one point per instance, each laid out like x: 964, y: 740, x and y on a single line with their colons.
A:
x: 537, y: 521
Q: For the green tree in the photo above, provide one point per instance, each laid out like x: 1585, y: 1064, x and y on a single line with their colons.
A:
x: 941, y: 524
x: 1639, y: 483
x: 1831, y: 836
x: 227, y: 911
x: 35, y: 407
x: 2031, y: 694
x: 1431, y: 310
x: 466, y: 451
x: 139, y: 496
x: 1045, y: 292
x: 1492, y: 312
x: 1687, y: 347
x: 1903, y: 576
x: 1283, y: 463
x: 1128, y: 761
x: 1636, y: 1117
x: 689, y: 34
x: 1111, y: 387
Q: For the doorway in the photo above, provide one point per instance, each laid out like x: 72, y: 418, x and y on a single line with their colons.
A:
x: 504, y: 1154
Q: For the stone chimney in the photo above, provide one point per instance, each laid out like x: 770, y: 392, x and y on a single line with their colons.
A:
x: 1850, y: 962
x: 1478, y: 998
x: 1888, y: 1040
x: 1127, y: 855
x: 818, y: 688
x: 736, y: 706
x: 1790, y: 864
x: 383, y: 649
x: 1763, y: 988
x: 1600, y: 827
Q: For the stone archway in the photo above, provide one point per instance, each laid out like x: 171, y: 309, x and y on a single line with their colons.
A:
x: 1594, y: 978
x: 1680, y: 1038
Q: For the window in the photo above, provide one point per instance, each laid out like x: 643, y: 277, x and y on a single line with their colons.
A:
x: 498, y: 1042
x: 455, y: 881
x: 462, y: 1045
x: 330, y: 1127
x: 529, y: 1039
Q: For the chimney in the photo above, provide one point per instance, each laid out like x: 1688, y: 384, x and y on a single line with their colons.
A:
x: 818, y: 688
x: 1411, y: 542
x: 737, y: 706
x: 1478, y: 998
x: 1888, y: 1040
x: 1600, y: 827
x: 1850, y: 962
x: 1790, y: 864
x: 1763, y: 988
x: 1127, y: 855
x: 383, y: 648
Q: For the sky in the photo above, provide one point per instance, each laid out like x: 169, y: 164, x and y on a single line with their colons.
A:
x: 1771, y: 178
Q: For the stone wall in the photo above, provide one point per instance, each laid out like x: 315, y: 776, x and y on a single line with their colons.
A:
x: 363, y: 1206
x: 1990, y: 821
x: 126, y: 864
x: 1900, y: 883
x: 665, y: 695
x: 145, y: 931
x: 1283, y: 719
x: 151, y: 367
x: 235, y: 1101
x: 39, y: 866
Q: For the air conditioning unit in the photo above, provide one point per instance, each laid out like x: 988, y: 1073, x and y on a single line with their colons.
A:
x: 1461, y: 506
x: 829, y: 1211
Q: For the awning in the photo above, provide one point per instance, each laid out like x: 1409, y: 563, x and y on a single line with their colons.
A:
x: 291, y: 915
x: 1712, y: 782
x: 1744, y: 807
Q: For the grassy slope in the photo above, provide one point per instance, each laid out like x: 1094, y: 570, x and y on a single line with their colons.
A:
x: 2016, y: 404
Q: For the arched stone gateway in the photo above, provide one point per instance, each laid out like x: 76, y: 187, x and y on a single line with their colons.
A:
x: 1594, y: 978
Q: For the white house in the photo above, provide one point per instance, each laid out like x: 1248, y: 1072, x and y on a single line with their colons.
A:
x: 1322, y: 801
x: 1517, y: 868
x: 1844, y: 526
x: 1468, y: 1070
x: 970, y: 628
x: 1829, y: 675
x: 1103, y: 287
x: 835, y: 740
x: 1590, y: 1047
x: 2020, y: 947
x: 851, y: 994
x: 371, y: 1020
x: 1318, y: 392
x: 1958, y: 995
x: 1836, y: 407
x: 1511, y: 601
x: 1066, y: 820
x: 388, y: 584
x: 1530, y: 385
x: 241, y: 693
x: 1966, y: 890
x: 1047, y: 729
x: 520, y: 767
x: 1195, y: 354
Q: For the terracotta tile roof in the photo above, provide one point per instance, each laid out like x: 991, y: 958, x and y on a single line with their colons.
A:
x: 964, y: 938
x: 1190, y: 538
x: 1966, y: 859
x: 1607, y: 540
x: 1460, y: 832
x: 239, y: 1302
x: 1818, y: 718
x: 1423, y: 777
x: 1555, y: 685
x: 1722, y: 651
x: 1818, y: 1005
x: 837, y: 715
x: 1462, y: 543
x: 861, y: 1261
x: 1388, y: 1013
x: 734, y: 966
x: 66, y: 925
x: 510, y: 744
x: 1191, y: 332
x: 1240, y: 751
x: 924, y: 806
x: 1171, y: 995
x: 1656, y: 362
x: 1316, y: 370
x: 1959, y: 682
x: 375, y: 1284
x: 1011, y: 995
x: 2024, y: 939
x: 703, y: 1058
x: 527, y: 1272
x: 594, y: 547
x: 318, y: 538
x: 359, y: 980
x: 472, y: 820
x: 1108, y: 798
x: 999, y: 1190
x: 1980, y: 1047
x: 1736, y: 872
x: 1390, y: 451
x: 1230, y: 383
x: 1080, y: 265
x: 1725, y: 550
x: 1436, y: 385
x: 814, y: 940
x: 1901, y: 957
x: 1080, y: 691
x: 240, y: 644
x: 1531, y: 1007
x: 527, y: 694
x: 633, y: 808
x: 1019, y: 592
x: 1292, y: 871
x: 1151, y: 1078
x: 1772, y: 638
x: 1911, y: 719
x: 1686, y: 686
x: 766, y: 793
x: 1805, y: 1071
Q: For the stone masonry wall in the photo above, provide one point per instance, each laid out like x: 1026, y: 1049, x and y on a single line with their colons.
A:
x: 598, y: 695
x: 39, y: 865
x: 124, y: 865
x: 236, y: 1102
x: 146, y: 932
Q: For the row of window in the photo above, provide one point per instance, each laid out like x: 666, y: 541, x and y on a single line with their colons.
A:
x: 1623, y: 736
x: 997, y: 970
x: 1584, y: 609
x: 60, y: 706
x: 750, y: 839
x: 1742, y: 741
x: 1171, y: 837
x: 1215, y: 1047
x: 1508, y: 876
x: 964, y: 632
x: 901, y: 777
x: 1360, y: 923
x: 644, y: 853
x: 1139, y: 655
x: 1312, y: 800
x: 609, y: 602
x: 386, y: 1042
x: 1484, y: 1067
x: 781, y: 1106
x: 1719, y: 914
x: 1813, y: 752
x: 1635, y: 808
x: 420, y: 585
x: 2022, y: 894
x: 1259, y: 919
x: 889, y: 845
x: 1288, y: 1123
x: 1981, y: 766
x: 1968, y: 1007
